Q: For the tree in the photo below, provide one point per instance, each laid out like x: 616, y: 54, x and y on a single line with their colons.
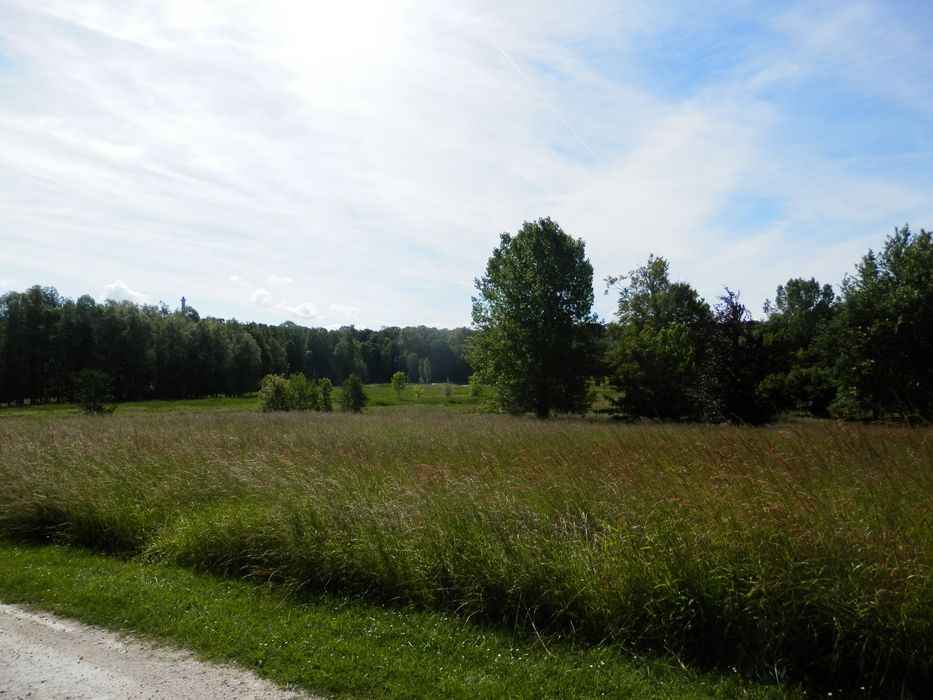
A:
x: 306, y: 394
x: 657, y: 345
x: 424, y: 371
x: 412, y: 365
x: 881, y: 342
x: 326, y: 389
x: 91, y: 389
x: 532, y: 343
x: 354, y: 397
x: 798, y: 378
x: 399, y: 382
x: 734, y: 367
x: 275, y: 394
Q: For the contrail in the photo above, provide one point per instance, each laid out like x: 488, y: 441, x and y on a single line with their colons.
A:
x: 542, y: 97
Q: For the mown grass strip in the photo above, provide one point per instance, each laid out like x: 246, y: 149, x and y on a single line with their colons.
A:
x: 338, y: 647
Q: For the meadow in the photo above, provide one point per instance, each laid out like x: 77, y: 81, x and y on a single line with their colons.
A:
x: 795, y: 553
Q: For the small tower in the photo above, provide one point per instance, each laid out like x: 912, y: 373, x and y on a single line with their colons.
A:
x: 183, y: 300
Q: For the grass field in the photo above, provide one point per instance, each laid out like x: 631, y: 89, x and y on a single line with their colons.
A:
x: 796, y: 553
x: 381, y: 397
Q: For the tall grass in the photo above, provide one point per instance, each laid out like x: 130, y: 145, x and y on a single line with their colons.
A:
x: 801, y: 552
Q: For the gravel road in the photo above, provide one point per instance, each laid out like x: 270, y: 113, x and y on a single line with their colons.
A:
x: 43, y: 656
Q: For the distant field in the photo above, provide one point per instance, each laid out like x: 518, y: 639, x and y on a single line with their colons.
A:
x: 381, y: 397
x: 799, y: 552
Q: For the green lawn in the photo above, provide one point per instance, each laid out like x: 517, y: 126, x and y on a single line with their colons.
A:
x: 339, y: 647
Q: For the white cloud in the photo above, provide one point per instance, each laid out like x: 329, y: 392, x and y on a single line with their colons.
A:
x: 236, y: 279
x: 344, y: 311
x: 304, y: 310
x: 261, y: 297
x: 275, y: 280
x: 120, y: 291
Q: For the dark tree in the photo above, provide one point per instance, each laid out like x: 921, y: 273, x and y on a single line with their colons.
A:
x: 733, y: 367
x: 882, y: 337
x: 354, y: 397
x: 656, y: 348
x: 798, y: 378
x: 91, y: 389
x: 532, y: 343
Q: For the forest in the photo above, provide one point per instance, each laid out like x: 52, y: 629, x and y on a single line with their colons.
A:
x: 153, y: 352
x: 862, y: 353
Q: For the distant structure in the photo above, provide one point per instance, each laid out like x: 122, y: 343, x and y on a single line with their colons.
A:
x: 183, y: 300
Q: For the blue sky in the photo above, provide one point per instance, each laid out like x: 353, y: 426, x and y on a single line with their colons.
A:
x: 355, y: 162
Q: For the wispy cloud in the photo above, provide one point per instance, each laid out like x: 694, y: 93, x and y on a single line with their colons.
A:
x: 261, y: 297
x: 370, y: 154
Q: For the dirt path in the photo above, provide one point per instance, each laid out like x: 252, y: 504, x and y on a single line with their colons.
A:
x: 43, y: 656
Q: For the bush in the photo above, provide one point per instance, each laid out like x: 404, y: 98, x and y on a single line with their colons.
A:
x: 297, y: 393
x: 275, y: 394
x: 307, y: 394
x: 91, y: 389
x: 326, y: 389
x: 399, y: 382
x: 354, y: 397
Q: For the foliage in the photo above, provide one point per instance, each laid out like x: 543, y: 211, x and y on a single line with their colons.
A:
x: 348, y: 357
x: 657, y: 345
x: 306, y: 394
x: 733, y: 367
x: 399, y: 382
x: 276, y: 394
x: 354, y: 396
x: 151, y: 352
x: 476, y: 385
x: 297, y: 393
x: 92, y: 389
x: 326, y: 390
x: 881, y: 341
x: 532, y: 342
x: 424, y: 371
x: 798, y: 379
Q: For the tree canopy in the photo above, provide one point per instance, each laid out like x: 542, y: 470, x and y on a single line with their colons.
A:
x: 152, y: 352
x: 533, y: 343
x: 656, y: 346
x: 882, y: 337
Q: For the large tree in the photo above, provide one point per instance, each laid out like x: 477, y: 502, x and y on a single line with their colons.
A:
x: 794, y: 336
x: 657, y: 345
x: 533, y: 343
x: 734, y: 366
x: 881, y: 338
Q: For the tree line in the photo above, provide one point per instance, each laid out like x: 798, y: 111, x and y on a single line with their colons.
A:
x: 864, y: 354
x: 150, y: 351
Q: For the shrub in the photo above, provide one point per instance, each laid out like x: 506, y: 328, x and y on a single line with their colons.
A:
x: 276, y: 394
x: 91, y: 389
x: 354, y: 397
x: 306, y: 394
x: 326, y: 389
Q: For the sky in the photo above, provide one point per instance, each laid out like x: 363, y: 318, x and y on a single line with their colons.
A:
x: 354, y: 162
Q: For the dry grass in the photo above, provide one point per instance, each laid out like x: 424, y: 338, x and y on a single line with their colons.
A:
x: 802, y: 551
